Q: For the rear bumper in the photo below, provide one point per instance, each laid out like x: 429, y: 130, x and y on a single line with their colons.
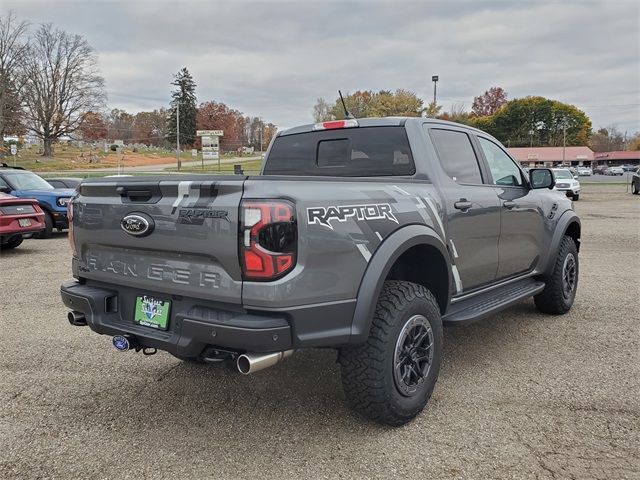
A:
x: 196, y: 324
x: 192, y: 327
x: 10, y: 224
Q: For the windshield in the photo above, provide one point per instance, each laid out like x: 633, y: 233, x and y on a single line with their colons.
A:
x: 562, y: 174
x: 27, y: 181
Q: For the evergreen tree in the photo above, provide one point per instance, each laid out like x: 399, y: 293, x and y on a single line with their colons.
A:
x: 185, y: 95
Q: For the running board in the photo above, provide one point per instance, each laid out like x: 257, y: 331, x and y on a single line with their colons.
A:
x: 482, y: 306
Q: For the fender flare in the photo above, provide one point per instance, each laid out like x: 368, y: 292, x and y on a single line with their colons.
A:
x: 379, y: 266
x: 564, y: 222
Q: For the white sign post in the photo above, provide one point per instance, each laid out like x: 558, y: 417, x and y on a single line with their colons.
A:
x: 210, y: 145
x: 14, y: 152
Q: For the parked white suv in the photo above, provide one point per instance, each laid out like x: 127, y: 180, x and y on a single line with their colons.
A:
x: 566, y: 182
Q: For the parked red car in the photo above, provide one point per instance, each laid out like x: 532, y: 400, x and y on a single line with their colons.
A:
x: 19, y: 219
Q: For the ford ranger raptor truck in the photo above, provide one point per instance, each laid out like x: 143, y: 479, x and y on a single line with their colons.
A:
x: 363, y: 235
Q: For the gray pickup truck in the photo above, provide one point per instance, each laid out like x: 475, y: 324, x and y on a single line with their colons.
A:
x: 366, y: 236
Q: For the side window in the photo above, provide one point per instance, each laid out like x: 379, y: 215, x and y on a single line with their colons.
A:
x: 503, y: 170
x: 57, y: 184
x: 456, y: 155
x: 4, y: 184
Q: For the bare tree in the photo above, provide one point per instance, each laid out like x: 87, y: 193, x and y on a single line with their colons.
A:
x: 63, y: 82
x: 13, y: 50
x: 322, y: 111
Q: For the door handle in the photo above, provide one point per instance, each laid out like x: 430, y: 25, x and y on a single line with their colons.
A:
x: 463, y: 204
x: 509, y: 204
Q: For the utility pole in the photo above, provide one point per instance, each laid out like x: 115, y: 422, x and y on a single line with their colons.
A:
x: 564, y: 139
x: 178, y: 133
x: 434, y: 79
x: 261, y: 130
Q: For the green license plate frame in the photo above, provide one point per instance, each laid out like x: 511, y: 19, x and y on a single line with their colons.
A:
x: 152, y: 312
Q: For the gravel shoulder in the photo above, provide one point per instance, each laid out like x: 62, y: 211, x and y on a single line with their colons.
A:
x: 521, y: 395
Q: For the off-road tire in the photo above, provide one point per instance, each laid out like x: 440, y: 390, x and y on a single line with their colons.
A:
x: 552, y: 299
x: 48, y: 227
x: 634, y: 188
x: 576, y: 198
x: 12, y: 243
x: 367, y: 369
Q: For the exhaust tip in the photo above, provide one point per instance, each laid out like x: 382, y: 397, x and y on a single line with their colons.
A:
x: 254, y: 362
x: 244, y: 365
x: 77, y: 319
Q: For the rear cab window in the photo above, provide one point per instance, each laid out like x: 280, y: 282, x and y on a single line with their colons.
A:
x: 456, y: 154
x: 346, y: 152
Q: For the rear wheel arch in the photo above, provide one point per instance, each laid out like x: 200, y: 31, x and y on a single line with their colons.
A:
x: 414, y: 253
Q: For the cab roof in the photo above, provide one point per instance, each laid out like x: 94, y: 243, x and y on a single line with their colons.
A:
x: 376, y: 122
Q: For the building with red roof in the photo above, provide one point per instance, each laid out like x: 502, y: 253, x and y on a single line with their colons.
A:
x: 574, y: 156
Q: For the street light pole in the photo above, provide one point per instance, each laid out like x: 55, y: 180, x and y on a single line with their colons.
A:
x: 178, y: 134
x: 434, y: 79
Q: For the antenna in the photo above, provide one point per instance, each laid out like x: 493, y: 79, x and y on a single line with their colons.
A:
x: 347, y: 114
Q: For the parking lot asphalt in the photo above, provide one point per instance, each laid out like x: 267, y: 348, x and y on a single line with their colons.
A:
x: 521, y: 395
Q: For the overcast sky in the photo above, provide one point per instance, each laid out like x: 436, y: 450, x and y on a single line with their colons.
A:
x: 274, y: 59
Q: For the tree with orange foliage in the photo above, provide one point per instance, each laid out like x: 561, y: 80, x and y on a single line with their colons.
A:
x: 217, y: 116
x: 93, y: 127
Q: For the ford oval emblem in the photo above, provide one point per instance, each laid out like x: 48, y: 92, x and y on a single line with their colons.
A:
x: 137, y: 224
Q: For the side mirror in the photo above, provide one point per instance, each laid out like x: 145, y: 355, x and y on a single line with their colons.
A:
x: 575, y: 177
x: 4, y: 189
x: 542, y: 178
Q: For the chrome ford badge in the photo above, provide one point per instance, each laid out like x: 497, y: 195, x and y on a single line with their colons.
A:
x: 137, y: 224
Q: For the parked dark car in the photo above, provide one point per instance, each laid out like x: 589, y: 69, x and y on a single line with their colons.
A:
x: 69, y: 182
x: 635, y: 182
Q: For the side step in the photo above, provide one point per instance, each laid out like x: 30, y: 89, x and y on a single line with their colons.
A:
x: 484, y: 305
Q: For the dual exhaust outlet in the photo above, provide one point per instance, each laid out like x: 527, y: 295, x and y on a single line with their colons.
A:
x: 247, y: 363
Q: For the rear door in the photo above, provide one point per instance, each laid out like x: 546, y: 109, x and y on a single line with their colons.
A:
x: 472, y: 208
x: 170, y: 235
x: 522, y: 216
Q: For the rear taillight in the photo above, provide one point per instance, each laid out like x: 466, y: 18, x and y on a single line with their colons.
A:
x: 268, y: 239
x: 70, y: 219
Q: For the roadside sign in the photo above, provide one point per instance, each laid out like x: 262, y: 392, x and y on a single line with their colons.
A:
x: 210, y: 145
x: 212, y: 133
x: 14, y: 149
x: 194, y: 152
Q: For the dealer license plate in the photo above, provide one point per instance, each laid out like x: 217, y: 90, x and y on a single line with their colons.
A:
x: 152, y: 312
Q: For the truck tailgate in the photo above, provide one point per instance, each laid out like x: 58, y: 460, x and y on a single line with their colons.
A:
x: 168, y: 234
